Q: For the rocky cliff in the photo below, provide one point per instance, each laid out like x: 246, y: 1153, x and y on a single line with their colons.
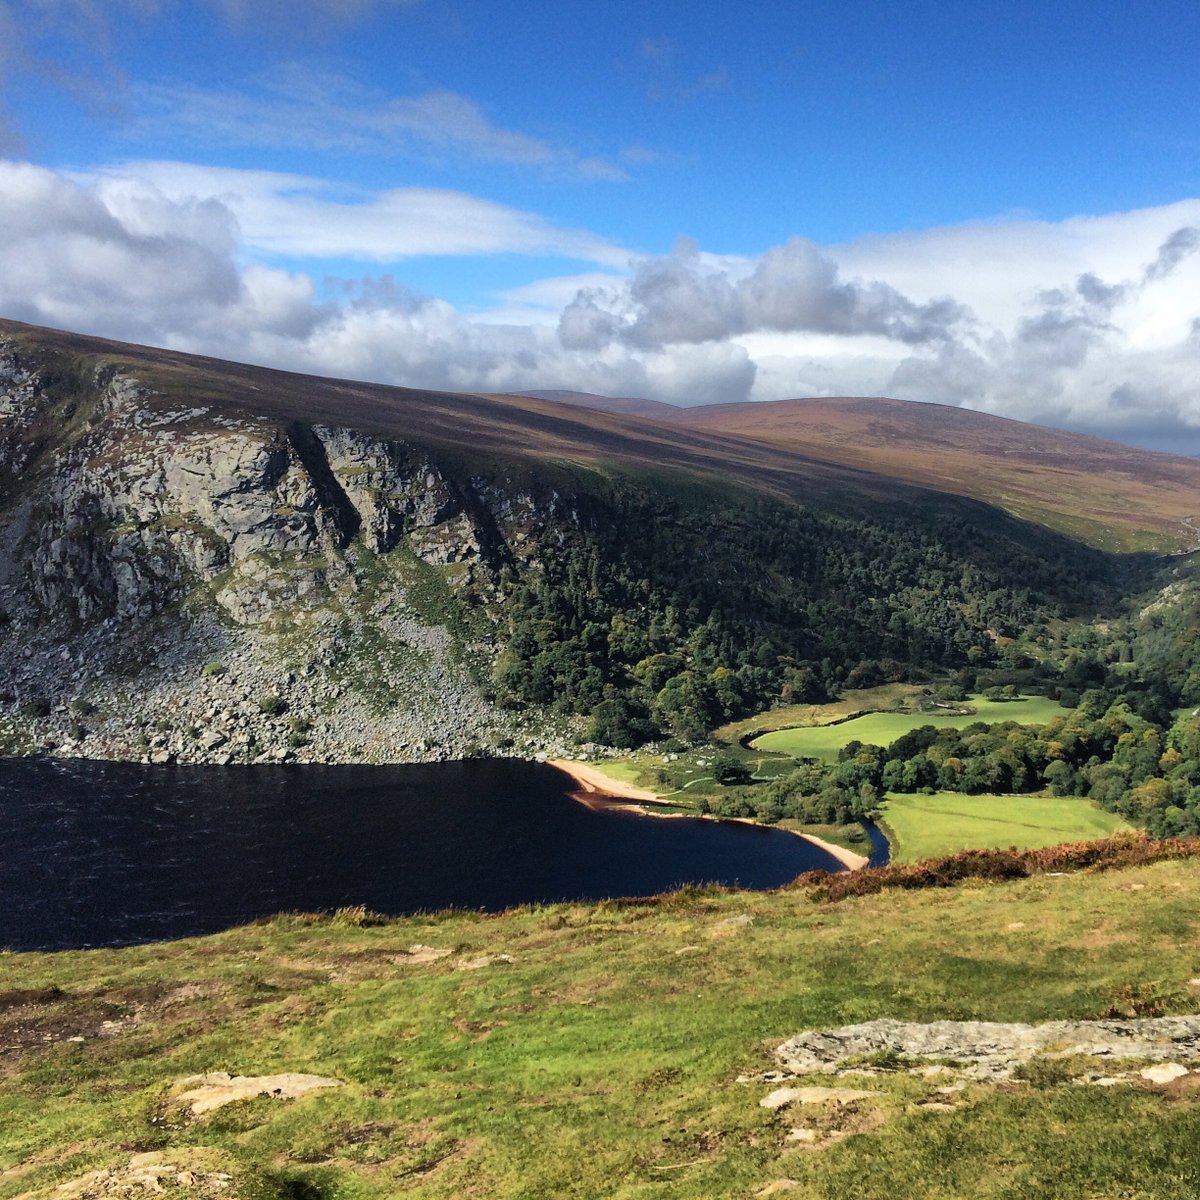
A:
x: 203, y: 560
x: 180, y: 583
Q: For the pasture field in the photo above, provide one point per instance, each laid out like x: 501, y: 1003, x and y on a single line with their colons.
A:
x: 920, y: 826
x: 859, y: 700
x: 595, y: 1050
x: 881, y: 729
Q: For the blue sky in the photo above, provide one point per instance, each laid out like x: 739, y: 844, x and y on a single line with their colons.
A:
x: 978, y: 204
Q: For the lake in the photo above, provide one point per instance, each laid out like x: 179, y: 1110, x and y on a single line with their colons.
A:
x: 101, y: 854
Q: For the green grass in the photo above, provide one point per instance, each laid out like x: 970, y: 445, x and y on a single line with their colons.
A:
x: 789, y: 716
x: 603, y: 1059
x: 620, y: 770
x: 920, y: 826
x: 881, y: 729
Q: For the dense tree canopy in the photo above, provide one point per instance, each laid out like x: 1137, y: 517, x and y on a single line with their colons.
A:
x: 661, y: 613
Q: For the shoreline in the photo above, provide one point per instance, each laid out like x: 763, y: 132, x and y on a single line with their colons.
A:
x: 595, y: 782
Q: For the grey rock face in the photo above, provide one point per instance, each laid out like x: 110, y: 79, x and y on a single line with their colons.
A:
x: 393, y: 489
x: 142, y: 538
x: 990, y: 1050
x: 151, y: 501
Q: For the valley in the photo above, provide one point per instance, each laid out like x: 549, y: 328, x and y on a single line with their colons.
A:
x: 205, y: 562
x: 211, y: 567
x: 599, y: 601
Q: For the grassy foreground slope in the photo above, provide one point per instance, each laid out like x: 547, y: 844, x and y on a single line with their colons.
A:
x: 921, y: 826
x: 594, y: 1050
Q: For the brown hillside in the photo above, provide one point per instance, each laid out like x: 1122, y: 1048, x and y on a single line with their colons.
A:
x: 839, y: 451
x: 1114, y: 496
x: 633, y: 405
x: 514, y: 427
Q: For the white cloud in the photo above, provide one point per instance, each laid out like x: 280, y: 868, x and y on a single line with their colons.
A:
x: 306, y: 107
x: 1089, y: 322
x: 685, y: 297
x: 1092, y: 323
x: 66, y: 258
x: 1085, y: 322
x: 116, y: 256
x: 300, y: 216
x: 997, y: 268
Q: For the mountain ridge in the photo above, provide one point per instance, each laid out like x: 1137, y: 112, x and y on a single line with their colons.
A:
x: 1113, y: 495
x: 233, y: 563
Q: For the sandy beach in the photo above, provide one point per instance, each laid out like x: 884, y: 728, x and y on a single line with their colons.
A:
x: 594, y: 781
x: 847, y: 858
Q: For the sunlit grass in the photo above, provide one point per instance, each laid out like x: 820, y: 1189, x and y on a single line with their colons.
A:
x: 601, y: 1057
x: 881, y: 729
x: 926, y: 826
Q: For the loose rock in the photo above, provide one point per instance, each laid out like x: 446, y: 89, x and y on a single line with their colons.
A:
x: 205, y: 1093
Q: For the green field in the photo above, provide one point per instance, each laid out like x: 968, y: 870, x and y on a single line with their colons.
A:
x: 881, y: 729
x: 921, y: 826
x: 593, y: 1050
x: 796, y: 716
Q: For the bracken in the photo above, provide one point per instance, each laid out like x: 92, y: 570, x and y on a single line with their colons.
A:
x: 1127, y: 850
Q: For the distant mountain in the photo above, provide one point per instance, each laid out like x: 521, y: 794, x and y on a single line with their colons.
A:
x: 633, y: 405
x: 207, y: 561
x: 1110, y: 495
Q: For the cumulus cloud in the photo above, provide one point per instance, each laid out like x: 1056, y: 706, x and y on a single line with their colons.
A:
x: 682, y: 298
x: 66, y: 257
x: 1092, y: 323
x: 117, y: 256
x: 1111, y: 357
x: 1172, y: 252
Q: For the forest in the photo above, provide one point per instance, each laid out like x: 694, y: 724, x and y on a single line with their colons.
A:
x: 666, y: 613
x: 663, y: 613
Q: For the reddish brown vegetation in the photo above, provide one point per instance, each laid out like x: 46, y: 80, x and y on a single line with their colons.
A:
x: 837, y: 449
x: 1129, y: 850
x: 1112, y: 495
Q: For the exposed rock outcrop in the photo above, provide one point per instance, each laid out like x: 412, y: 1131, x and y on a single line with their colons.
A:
x: 182, y: 584
x: 988, y: 1050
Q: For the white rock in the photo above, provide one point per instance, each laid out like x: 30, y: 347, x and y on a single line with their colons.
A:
x: 1164, y: 1073
x: 781, y: 1097
x: 802, y: 1135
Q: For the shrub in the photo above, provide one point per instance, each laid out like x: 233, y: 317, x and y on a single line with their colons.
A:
x: 272, y: 704
x: 212, y: 670
x: 729, y: 770
x: 1129, y: 850
x: 357, y: 916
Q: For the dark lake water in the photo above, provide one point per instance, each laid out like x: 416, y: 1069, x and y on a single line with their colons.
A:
x: 881, y: 849
x: 96, y: 854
